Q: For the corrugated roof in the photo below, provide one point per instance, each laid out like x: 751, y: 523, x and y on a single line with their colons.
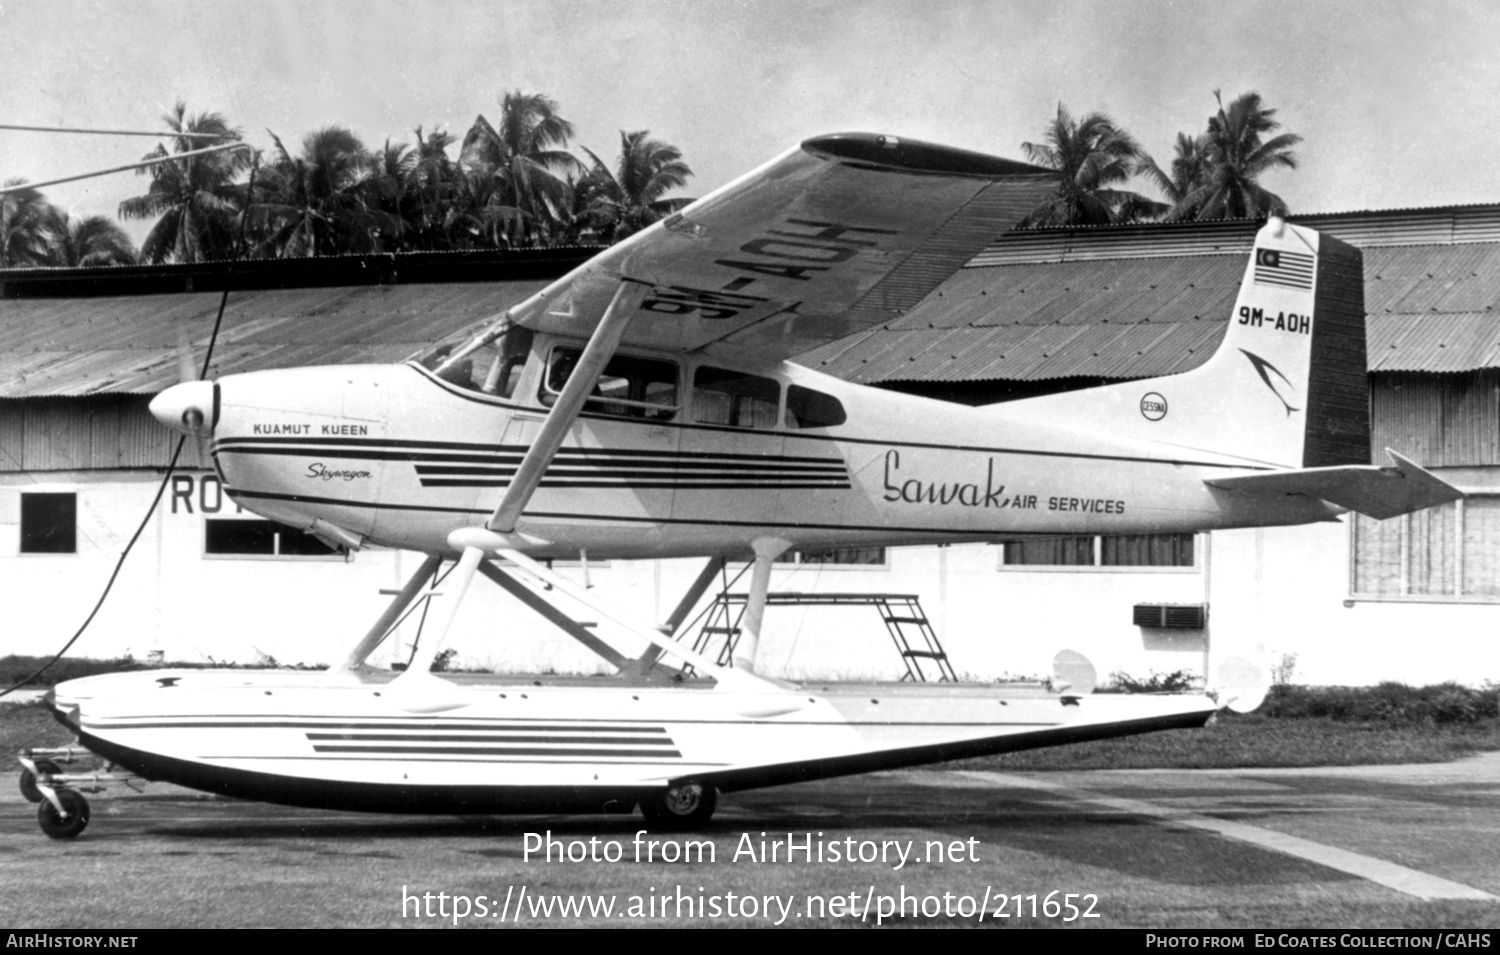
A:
x: 1117, y: 318
x: 1370, y: 229
x: 1154, y: 300
x: 129, y: 344
x: 1115, y: 302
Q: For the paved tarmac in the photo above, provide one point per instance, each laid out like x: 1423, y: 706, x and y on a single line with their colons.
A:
x: 1365, y: 847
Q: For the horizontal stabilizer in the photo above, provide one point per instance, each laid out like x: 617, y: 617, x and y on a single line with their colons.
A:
x: 1374, y: 492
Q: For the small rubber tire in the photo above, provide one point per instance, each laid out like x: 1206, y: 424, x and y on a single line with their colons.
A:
x: 57, y: 827
x: 29, y: 790
x: 685, y: 805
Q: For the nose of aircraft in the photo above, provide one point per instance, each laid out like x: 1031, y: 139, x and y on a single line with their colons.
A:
x: 188, y: 407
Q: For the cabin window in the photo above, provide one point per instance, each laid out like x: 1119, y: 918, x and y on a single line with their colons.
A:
x: 1450, y: 552
x: 842, y: 556
x: 1133, y: 550
x: 630, y: 387
x: 806, y: 408
x: 49, y: 523
x: 251, y: 538
x: 490, y: 363
x: 734, y: 398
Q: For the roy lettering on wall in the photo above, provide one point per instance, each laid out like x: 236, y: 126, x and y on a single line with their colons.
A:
x: 195, y: 494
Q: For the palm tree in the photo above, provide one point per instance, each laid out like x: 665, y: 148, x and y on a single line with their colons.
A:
x: 322, y: 202
x: 25, y: 227
x: 1187, y: 172
x: 523, y: 156
x: 1236, y: 155
x: 630, y: 198
x: 444, y: 199
x: 196, y: 198
x: 389, y: 190
x: 88, y: 243
x: 1093, y: 156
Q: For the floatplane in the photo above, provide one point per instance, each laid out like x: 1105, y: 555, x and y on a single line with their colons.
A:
x: 644, y: 406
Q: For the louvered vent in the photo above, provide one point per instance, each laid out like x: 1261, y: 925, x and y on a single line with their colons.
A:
x: 1172, y: 616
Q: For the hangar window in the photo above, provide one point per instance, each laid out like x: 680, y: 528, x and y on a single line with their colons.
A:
x: 806, y: 408
x: 251, y: 538
x: 842, y: 556
x: 734, y: 398
x: 630, y: 387
x: 1134, y: 550
x: 49, y: 523
x: 1450, y: 552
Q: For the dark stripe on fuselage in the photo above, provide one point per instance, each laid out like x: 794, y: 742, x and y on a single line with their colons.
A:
x: 499, y: 736
x: 499, y: 751
x: 488, y: 452
x: 598, y: 519
x: 468, y: 726
x: 651, y: 485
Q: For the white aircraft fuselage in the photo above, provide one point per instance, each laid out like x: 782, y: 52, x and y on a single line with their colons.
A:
x: 400, y: 457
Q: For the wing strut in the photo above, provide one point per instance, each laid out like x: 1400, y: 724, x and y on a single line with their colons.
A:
x: 585, y: 376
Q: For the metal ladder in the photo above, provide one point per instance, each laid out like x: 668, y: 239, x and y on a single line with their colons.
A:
x: 905, y: 622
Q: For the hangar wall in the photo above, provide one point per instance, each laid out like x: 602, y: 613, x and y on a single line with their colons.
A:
x: 1272, y: 592
x: 175, y: 600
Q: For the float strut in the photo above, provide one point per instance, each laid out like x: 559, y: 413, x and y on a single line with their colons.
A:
x: 382, y: 627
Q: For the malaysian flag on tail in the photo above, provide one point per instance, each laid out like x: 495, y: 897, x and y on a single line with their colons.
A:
x: 1283, y: 269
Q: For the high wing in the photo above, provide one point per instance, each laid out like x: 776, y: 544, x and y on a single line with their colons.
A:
x: 834, y: 236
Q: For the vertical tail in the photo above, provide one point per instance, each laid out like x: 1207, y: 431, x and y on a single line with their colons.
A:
x: 1287, y: 386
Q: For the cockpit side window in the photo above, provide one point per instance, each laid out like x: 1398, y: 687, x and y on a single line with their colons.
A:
x: 490, y: 363
x: 734, y: 398
x: 630, y: 387
x: 806, y: 408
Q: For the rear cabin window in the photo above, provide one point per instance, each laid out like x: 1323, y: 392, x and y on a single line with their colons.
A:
x: 734, y: 398
x: 806, y: 408
x: 630, y: 387
x: 490, y: 363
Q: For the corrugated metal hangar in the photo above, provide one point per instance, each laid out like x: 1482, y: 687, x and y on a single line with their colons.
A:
x: 82, y: 351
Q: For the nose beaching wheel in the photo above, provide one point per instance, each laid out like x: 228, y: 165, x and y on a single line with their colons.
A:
x: 70, y: 822
x: 680, y: 806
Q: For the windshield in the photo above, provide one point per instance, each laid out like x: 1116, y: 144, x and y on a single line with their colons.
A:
x: 490, y: 362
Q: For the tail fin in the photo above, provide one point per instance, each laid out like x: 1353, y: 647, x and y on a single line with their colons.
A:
x: 1287, y: 386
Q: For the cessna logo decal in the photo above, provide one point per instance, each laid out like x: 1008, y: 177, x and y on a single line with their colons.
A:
x: 1153, y: 406
x: 1262, y: 367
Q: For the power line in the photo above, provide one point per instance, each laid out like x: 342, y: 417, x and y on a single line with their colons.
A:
x: 135, y: 165
x: 111, y: 132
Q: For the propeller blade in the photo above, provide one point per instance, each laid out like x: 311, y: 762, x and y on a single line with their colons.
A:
x: 187, y: 369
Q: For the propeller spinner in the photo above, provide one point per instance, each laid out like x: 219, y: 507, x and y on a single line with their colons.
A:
x: 190, y: 407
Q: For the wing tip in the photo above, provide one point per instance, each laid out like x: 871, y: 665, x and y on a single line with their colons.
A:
x: 911, y: 155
